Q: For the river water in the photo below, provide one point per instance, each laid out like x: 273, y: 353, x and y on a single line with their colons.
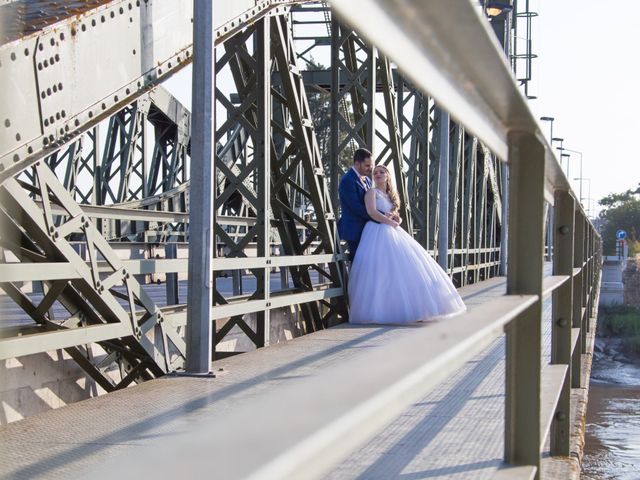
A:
x: 612, y: 440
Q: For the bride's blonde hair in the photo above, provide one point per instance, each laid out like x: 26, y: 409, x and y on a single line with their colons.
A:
x: 390, y: 189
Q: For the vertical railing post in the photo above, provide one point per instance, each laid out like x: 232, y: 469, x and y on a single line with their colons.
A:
x: 561, y: 347
x: 578, y: 259
x: 524, y: 333
x: 443, y: 192
x: 199, y: 297
x: 587, y: 274
x: 263, y: 156
x: 504, y: 182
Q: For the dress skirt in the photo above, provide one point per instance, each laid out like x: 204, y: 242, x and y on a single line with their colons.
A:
x: 393, y: 280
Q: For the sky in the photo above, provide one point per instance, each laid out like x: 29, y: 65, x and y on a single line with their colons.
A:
x: 586, y: 76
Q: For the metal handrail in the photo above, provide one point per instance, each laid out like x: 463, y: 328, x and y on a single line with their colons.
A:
x: 465, y: 71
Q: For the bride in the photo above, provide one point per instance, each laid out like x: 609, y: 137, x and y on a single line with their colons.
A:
x: 393, y: 279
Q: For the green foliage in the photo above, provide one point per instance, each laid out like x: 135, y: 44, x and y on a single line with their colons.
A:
x: 621, y: 321
x: 622, y: 211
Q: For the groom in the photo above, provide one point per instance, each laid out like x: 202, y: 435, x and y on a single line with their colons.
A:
x: 353, y: 185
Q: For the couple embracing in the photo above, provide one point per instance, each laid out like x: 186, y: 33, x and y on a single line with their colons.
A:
x: 393, y: 280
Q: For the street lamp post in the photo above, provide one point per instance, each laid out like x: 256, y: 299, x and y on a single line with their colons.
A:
x: 579, y: 153
x: 581, y: 178
x: 550, y: 120
x: 558, y: 139
x: 568, y: 157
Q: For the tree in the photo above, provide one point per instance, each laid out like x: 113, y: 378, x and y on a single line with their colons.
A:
x: 621, y: 212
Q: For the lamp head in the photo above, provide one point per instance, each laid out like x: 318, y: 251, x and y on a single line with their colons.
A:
x: 557, y: 139
x: 547, y: 119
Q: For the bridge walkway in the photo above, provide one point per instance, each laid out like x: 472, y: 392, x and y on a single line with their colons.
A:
x: 455, y: 432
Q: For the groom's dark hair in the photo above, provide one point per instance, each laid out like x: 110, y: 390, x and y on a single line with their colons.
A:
x: 360, y: 155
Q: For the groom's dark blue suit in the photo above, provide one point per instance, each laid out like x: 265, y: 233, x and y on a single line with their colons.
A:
x: 354, y: 213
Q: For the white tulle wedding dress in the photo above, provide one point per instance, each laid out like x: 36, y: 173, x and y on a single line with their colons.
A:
x: 393, y: 280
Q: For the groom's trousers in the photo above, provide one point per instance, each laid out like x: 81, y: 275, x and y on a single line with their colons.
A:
x: 353, y: 246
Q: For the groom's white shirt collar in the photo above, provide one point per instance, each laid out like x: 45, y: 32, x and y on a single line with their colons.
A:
x: 360, y: 177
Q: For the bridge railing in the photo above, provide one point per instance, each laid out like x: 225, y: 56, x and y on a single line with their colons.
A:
x: 448, y: 51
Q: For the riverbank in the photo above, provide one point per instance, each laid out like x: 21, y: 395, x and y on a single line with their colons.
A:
x: 612, y: 434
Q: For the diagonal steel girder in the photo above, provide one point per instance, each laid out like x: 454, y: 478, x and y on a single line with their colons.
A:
x: 146, y: 346
x: 292, y: 146
x: 149, y: 41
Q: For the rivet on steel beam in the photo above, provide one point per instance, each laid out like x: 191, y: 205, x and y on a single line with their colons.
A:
x: 560, y: 416
x: 561, y: 322
x: 7, y: 123
x: 563, y: 229
x: 16, y: 157
x: 13, y: 56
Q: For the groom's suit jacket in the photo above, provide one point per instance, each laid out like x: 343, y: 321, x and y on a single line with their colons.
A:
x: 354, y: 213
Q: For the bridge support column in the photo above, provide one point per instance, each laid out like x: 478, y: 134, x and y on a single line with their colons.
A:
x: 443, y: 215
x: 524, y: 333
x: 199, y: 301
x: 561, y: 328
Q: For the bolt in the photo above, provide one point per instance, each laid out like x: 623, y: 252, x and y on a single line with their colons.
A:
x: 560, y: 416
x: 561, y: 322
x: 563, y: 229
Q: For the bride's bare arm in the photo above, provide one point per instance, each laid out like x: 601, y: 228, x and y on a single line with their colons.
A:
x: 370, y: 203
x: 395, y: 214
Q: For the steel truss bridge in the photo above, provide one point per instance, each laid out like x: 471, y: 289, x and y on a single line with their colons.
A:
x: 99, y: 191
